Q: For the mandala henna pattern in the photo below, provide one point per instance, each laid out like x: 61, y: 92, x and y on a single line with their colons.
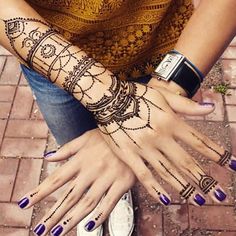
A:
x: 50, y: 54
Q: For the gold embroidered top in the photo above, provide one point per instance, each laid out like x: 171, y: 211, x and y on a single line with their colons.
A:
x: 127, y: 36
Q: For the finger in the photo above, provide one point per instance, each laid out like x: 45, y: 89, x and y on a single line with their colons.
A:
x: 171, y: 175
x: 205, y: 146
x: 68, y: 149
x: 106, y: 205
x: 71, y: 196
x: 147, y: 179
x: 185, y: 105
x: 58, y: 178
x: 182, y: 160
x: 83, y: 208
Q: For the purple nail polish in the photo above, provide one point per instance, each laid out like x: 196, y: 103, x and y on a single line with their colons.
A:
x: 220, y: 195
x: 199, y: 199
x: 232, y: 165
x: 57, y: 231
x: 90, y: 225
x: 23, y: 202
x: 39, y: 230
x: 49, y: 154
x: 207, y: 104
x: 164, y: 199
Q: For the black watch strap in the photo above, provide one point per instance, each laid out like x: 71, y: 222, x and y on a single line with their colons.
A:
x: 178, y: 68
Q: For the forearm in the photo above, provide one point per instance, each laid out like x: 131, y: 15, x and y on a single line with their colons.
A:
x: 208, y: 32
x: 32, y: 40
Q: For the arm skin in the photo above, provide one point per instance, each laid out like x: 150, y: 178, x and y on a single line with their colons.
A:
x: 35, y: 43
x: 205, y: 37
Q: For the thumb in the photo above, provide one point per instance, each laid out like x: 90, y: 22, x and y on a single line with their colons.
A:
x: 185, y: 105
x: 67, y: 150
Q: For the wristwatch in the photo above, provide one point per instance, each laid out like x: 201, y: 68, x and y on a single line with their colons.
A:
x: 178, y: 68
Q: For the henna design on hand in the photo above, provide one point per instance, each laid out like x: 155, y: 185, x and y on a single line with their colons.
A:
x: 112, y: 102
x: 187, y: 190
x: 206, y: 183
x: 224, y: 158
x: 67, y: 195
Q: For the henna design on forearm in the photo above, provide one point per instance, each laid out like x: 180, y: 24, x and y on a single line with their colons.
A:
x: 187, y: 190
x: 224, y: 158
x: 67, y: 195
x: 112, y: 102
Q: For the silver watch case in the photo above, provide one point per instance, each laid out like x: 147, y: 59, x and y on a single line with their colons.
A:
x: 168, y: 66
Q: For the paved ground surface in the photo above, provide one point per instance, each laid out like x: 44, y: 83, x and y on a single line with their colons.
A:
x: 24, y: 137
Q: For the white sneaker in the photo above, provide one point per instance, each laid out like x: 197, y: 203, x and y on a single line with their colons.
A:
x: 82, y: 232
x: 121, y: 219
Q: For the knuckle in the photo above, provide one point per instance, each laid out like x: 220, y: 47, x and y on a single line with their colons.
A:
x: 143, y: 175
x: 89, y: 201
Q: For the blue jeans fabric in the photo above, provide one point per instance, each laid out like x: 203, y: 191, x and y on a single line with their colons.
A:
x: 65, y: 116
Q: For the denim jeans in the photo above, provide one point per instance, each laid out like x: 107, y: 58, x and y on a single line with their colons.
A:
x: 65, y: 116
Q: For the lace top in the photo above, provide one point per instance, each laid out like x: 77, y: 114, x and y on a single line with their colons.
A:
x: 129, y: 37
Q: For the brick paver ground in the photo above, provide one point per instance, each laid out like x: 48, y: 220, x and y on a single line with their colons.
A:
x: 24, y: 138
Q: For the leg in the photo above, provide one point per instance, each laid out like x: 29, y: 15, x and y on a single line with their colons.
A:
x: 65, y: 116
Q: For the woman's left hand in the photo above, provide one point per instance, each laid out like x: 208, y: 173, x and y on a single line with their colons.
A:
x: 95, y: 175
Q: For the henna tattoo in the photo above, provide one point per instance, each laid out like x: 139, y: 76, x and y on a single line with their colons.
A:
x: 158, y: 193
x: 51, y: 215
x: 225, y: 158
x: 31, y: 195
x: 115, y: 103
x: 98, y: 217
x: 187, y: 190
x: 67, y: 221
x: 113, y: 112
x: 206, y: 183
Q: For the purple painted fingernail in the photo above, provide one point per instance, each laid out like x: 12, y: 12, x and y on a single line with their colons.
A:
x: 23, y: 202
x: 232, y: 165
x: 199, y: 199
x: 220, y: 195
x: 49, y: 154
x: 57, y: 231
x: 164, y: 199
x: 90, y: 225
x: 39, y: 230
x: 206, y: 104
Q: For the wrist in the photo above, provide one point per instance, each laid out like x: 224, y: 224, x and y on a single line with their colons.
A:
x: 171, y: 86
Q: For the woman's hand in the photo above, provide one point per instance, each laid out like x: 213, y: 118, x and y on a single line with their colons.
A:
x: 140, y: 123
x: 94, y: 174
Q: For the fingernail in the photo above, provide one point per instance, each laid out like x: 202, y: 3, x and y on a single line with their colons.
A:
x: 164, y: 199
x: 220, y: 195
x: 57, y: 231
x: 206, y: 104
x: 39, y: 230
x: 49, y: 154
x: 199, y: 199
x: 23, y: 202
x: 90, y: 225
x: 232, y: 165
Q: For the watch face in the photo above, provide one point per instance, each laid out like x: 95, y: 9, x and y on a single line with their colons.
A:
x: 168, y: 66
